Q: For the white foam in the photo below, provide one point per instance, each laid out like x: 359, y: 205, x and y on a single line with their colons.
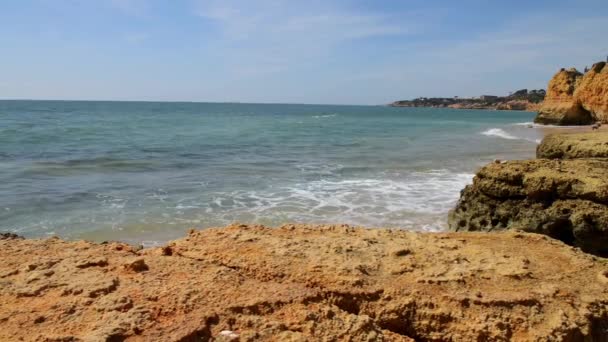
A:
x: 419, y: 201
x: 324, y: 116
x: 497, y: 132
x: 408, y: 200
x: 500, y: 133
x: 151, y: 243
x: 182, y: 207
x: 524, y: 124
x: 535, y: 125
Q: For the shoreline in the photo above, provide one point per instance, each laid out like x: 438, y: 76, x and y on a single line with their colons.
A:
x: 491, y: 281
x: 146, y: 240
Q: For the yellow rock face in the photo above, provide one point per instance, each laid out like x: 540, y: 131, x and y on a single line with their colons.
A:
x: 574, y: 146
x: 576, y: 99
x: 560, y: 106
x: 592, y: 92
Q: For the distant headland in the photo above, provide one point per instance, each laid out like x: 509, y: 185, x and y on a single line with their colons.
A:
x: 524, y: 99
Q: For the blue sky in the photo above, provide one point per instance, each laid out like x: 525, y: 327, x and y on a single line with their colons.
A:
x: 333, y: 51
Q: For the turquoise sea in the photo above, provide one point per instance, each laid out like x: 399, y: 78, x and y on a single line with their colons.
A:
x: 146, y: 172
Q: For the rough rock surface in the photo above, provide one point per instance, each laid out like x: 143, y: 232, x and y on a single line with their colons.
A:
x: 302, y: 283
x: 522, y: 105
x: 574, y: 145
x: 503, y: 103
x: 522, y: 99
x: 565, y: 199
x: 519, y: 105
x: 592, y: 92
x: 560, y: 106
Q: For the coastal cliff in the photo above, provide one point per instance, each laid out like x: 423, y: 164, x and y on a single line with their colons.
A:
x: 560, y: 106
x: 565, y: 197
x: 522, y: 100
x: 574, y: 98
x: 302, y: 283
x: 592, y: 92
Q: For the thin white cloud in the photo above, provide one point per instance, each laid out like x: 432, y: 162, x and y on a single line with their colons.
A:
x: 273, y: 35
x: 281, y: 20
x: 301, y: 51
x: 521, y: 54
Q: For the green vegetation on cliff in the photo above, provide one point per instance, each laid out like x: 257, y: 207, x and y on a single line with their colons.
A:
x: 518, y: 100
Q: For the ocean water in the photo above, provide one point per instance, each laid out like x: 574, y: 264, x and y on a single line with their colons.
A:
x: 146, y: 172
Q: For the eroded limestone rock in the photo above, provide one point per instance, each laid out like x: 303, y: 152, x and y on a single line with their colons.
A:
x: 565, y: 199
x: 560, y: 106
x: 574, y: 146
x: 305, y: 283
x: 592, y: 92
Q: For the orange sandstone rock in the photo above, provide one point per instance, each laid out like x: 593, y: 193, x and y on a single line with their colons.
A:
x: 576, y: 99
x: 560, y: 106
x: 592, y: 92
x: 303, y: 283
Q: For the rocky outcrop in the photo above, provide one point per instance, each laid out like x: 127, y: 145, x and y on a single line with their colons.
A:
x: 576, y: 99
x: 302, y: 283
x: 564, y: 198
x: 518, y: 105
x: 592, y: 92
x: 560, y: 106
x: 573, y: 146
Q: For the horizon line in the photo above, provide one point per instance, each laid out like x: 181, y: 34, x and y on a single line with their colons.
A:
x: 198, y: 102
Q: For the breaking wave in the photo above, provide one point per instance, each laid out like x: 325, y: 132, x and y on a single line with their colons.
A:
x: 497, y: 132
x: 325, y: 116
x: 419, y: 201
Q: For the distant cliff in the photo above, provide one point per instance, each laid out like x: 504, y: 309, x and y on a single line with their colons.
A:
x: 574, y: 98
x: 519, y: 100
